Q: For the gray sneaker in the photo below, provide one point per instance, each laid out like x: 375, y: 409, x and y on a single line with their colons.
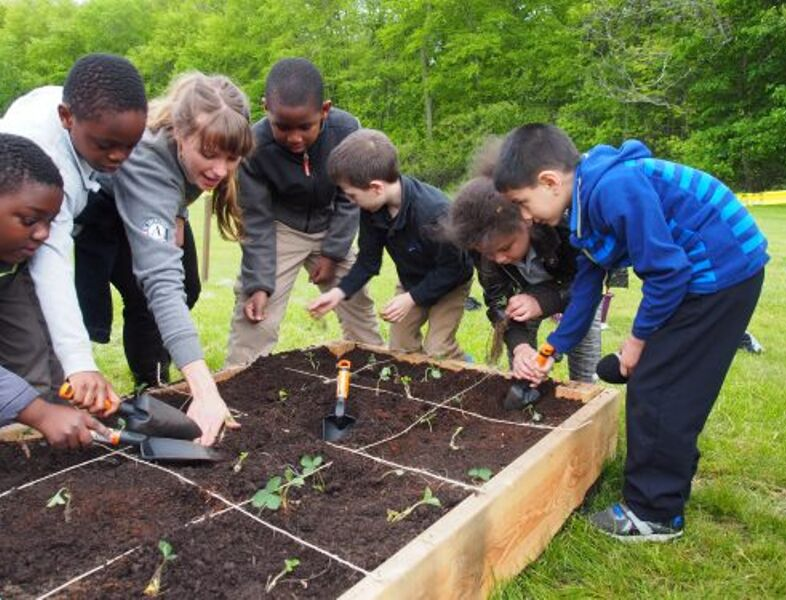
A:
x: 620, y: 522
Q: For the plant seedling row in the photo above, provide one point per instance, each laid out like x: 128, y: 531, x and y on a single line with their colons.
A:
x: 399, y: 459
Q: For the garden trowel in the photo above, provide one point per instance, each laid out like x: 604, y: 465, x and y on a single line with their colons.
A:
x: 161, y: 449
x: 148, y: 415
x: 338, y: 424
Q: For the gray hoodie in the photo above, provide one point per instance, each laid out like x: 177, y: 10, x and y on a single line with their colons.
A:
x: 151, y: 190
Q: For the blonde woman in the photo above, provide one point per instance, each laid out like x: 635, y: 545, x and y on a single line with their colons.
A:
x: 195, y: 138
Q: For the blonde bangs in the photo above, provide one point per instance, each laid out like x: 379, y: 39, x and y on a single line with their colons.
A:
x: 226, y: 131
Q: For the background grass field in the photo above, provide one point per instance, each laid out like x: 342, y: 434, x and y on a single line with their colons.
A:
x: 735, y: 543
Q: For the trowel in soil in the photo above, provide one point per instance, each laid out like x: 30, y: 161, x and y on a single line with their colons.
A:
x: 521, y: 394
x: 148, y: 415
x: 161, y: 449
x: 338, y: 424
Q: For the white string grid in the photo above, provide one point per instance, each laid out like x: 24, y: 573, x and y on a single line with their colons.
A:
x: 230, y: 506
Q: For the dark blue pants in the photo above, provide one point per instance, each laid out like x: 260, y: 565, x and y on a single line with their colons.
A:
x: 672, y: 391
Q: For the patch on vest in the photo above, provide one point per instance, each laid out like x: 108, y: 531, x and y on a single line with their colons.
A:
x: 156, y: 229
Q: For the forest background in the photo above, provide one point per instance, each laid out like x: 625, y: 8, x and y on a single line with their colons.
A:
x: 699, y: 81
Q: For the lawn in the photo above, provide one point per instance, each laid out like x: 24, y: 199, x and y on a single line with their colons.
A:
x: 735, y: 542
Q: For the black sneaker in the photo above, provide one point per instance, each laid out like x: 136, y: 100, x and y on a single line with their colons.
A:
x: 620, y: 522
x: 750, y: 343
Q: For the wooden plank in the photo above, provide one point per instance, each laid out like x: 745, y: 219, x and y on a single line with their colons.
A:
x: 493, y: 536
x: 17, y: 432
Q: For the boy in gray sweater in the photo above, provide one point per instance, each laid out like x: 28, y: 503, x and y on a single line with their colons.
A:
x: 294, y: 214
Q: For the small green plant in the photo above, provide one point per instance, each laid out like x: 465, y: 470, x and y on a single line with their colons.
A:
x: 371, y: 360
x: 432, y: 372
x: 478, y: 474
x: 282, y: 395
x: 310, y: 465
x: 293, y: 479
x: 428, y: 499
x: 453, y: 444
x: 167, y: 554
x: 385, y: 374
x: 61, y: 497
x: 311, y: 360
x: 534, y: 415
x: 238, y: 464
x: 290, y: 564
x: 405, y: 380
x: 268, y: 497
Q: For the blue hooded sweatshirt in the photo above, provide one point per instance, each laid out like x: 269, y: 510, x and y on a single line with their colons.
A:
x: 682, y: 231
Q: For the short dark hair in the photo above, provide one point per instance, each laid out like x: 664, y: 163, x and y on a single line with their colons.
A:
x: 294, y: 82
x: 99, y: 83
x: 479, y: 214
x: 22, y: 162
x: 362, y: 157
x: 531, y: 149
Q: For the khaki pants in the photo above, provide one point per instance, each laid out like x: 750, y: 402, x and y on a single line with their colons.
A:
x: 443, y: 319
x: 25, y: 346
x: 295, y: 249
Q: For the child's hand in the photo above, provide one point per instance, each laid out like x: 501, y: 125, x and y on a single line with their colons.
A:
x: 523, y: 307
x: 397, y: 308
x: 525, y: 364
x: 324, y: 271
x: 62, y: 426
x: 92, y: 392
x: 630, y: 354
x: 254, y: 308
x: 326, y: 302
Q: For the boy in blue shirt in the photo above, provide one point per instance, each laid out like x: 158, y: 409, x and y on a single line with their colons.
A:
x: 701, y: 259
x: 400, y: 214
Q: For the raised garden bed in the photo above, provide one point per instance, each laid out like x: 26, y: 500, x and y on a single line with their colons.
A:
x: 421, y: 425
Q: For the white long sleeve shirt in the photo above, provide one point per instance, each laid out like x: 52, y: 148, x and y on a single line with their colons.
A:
x: 35, y: 117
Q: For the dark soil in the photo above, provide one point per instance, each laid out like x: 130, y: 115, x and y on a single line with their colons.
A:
x: 119, y: 505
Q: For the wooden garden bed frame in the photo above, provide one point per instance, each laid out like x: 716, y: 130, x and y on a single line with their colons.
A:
x: 490, y: 537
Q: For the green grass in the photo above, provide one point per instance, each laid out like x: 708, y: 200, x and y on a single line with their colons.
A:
x: 735, y: 542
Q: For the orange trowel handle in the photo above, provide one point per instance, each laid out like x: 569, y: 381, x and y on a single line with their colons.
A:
x: 66, y: 392
x: 545, y: 352
x: 342, y: 381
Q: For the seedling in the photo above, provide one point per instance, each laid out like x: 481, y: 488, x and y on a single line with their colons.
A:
x: 432, y: 372
x: 428, y: 499
x: 312, y: 361
x: 385, y: 374
x: 269, y: 496
x: 290, y: 564
x: 310, y: 465
x: 478, y: 474
x: 371, y: 361
x: 238, y: 464
x: 282, y: 395
x: 294, y: 479
x: 534, y: 415
x: 62, y: 497
x: 453, y: 444
x: 167, y: 554
x: 405, y: 380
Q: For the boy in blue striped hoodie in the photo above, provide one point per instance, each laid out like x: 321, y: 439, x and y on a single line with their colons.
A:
x: 701, y: 260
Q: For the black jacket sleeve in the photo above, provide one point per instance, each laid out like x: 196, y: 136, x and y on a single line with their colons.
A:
x: 258, y: 265
x: 371, y: 244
